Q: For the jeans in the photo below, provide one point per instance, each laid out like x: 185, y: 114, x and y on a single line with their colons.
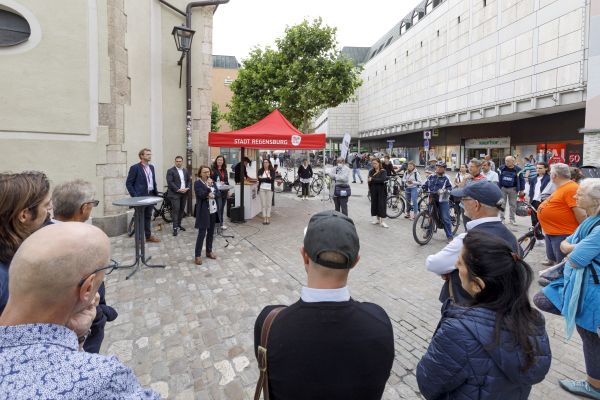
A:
x: 177, y: 206
x: 341, y: 203
x: 509, y: 195
x: 266, y: 199
x: 356, y: 172
x: 590, y: 340
x: 411, y: 198
x: 207, y: 232
x: 445, y: 213
x: 553, y: 247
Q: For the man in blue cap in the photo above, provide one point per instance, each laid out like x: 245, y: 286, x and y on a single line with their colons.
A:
x: 482, y: 202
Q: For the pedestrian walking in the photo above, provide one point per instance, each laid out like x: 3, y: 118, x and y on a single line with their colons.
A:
x: 512, y: 183
x: 341, y: 185
x: 576, y: 294
x: 376, y: 180
x: 411, y: 180
x: 356, y: 168
x: 305, y: 173
x: 206, y: 213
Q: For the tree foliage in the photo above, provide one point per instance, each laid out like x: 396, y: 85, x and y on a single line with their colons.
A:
x: 215, y: 117
x: 303, y: 75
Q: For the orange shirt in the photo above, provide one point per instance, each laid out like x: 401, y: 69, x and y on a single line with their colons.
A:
x: 555, y: 213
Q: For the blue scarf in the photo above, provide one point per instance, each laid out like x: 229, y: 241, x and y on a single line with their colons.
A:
x: 572, y: 303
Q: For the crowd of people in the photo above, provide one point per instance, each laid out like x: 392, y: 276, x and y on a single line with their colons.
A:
x: 490, y: 343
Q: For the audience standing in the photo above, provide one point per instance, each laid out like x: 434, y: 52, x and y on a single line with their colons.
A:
x: 341, y: 185
x: 179, y: 183
x: 492, y: 163
x: 497, y: 347
x: 537, y: 185
x: 489, y: 173
x: 220, y: 177
x: 73, y: 202
x: 377, y: 188
x: 559, y: 215
x: 25, y: 203
x: 327, y: 345
x: 54, y: 279
x: 141, y: 181
x: 411, y: 180
x: 576, y: 294
x: 512, y: 183
x: 305, y: 173
x: 461, y: 175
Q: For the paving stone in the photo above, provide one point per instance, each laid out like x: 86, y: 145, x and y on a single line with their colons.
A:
x: 188, y: 331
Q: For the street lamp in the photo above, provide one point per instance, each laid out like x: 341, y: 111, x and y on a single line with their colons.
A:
x: 183, y: 40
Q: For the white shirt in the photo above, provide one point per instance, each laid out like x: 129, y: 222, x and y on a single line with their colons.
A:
x: 491, y: 176
x: 310, y: 295
x: 537, y: 191
x: 443, y: 262
x: 149, y: 176
x: 180, y: 170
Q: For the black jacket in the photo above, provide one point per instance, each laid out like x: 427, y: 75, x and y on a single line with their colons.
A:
x: 237, y: 173
x: 266, y: 181
x: 389, y: 168
x: 174, y: 181
x: 305, y: 173
x: 328, y: 350
x: 202, y: 207
x: 533, y: 181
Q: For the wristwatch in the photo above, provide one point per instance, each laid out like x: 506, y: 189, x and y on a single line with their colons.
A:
x: 82, y: 338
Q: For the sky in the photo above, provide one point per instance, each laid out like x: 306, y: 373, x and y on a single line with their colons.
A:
x: 240, y: 25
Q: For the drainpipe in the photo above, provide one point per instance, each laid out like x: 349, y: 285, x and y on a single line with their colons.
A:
x: 188, y: 84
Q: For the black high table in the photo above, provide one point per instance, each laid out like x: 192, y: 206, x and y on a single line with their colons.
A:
x: 139, y: 204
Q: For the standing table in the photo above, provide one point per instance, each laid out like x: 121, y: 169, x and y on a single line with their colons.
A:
x: 139, y: 204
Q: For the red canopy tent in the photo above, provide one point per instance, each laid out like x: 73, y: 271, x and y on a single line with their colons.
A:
x: 272, y: 132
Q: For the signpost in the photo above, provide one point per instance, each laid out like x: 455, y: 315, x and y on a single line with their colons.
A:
x: 390, y: 146
x: 427, y: 135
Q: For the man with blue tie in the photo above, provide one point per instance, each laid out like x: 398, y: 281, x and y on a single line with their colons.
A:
x: 141, y: 181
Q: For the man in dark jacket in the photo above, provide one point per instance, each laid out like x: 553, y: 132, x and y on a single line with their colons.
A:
x: 179, y: 184
x: 512, y: 183
x: 141, y: 181
x: 73, y: 202
x: 482, y: 202
x: 237, y: 170
x: 327, y: 345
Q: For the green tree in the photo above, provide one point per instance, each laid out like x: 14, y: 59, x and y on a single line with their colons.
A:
x: 215, y: 117
x: 303, y: 75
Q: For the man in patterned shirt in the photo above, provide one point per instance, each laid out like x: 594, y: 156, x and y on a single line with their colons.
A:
x: 54, y: 279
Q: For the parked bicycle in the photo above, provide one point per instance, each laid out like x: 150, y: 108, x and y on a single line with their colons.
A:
x: 428, y: 221
x: 528, y: 240
x: 164, y: 211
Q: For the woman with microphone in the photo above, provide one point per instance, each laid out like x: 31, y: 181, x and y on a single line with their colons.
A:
x: 206, y: 213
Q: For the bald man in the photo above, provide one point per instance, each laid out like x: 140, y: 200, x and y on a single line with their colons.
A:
x: 53, y: 285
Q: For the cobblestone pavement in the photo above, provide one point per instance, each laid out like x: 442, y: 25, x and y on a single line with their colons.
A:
x: 187, y: 330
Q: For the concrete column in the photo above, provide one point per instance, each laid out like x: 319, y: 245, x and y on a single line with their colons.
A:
x: 591, y: 139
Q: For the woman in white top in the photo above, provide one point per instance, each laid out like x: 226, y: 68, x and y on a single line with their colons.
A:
x: 461, y: 176
x: 411, y: 180
x: 266, y: 187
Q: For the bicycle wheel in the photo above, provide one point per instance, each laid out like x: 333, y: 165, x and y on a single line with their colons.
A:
x: 166, y: 212
x: 297, y: 186
x: 422, y: 204
x: 455, y: 213
x: 317, y: 185
x: 131, y: 227
x: 527, y: 243
x: 423, y: 227
x: 394, y: 206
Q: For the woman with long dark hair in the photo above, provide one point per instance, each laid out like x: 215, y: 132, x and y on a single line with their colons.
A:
x: 376, y: 179
x: 498, y: 346
x: 266, y: 188
x: 206, y: 213
x: 305, y: 173
x: 219, y: 177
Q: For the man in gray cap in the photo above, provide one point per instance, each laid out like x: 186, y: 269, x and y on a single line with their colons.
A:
x: 326, y: 345
x: 482, y: 202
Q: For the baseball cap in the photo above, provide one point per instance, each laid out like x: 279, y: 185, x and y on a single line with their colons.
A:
x: 331, y: 231
x: 483, y: 191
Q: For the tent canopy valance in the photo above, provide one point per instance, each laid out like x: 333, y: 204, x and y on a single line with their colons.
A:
x: 272, y: 132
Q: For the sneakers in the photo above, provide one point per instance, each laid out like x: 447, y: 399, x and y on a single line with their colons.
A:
x: 580, y: 388
x: 383, y: 224
x: 374, y: 221
x: 548, y: 263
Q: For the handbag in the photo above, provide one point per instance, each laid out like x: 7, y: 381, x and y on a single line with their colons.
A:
x: 263, y: 379
x: 342, y: 190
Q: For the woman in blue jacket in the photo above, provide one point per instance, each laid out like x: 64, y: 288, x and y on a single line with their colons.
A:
x: 498, y: 347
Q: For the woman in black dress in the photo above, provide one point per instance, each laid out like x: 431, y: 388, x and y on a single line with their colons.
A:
x: 377, y: 178
x: 219, y: 177
x: 206, y: 213
x: 305, y: 173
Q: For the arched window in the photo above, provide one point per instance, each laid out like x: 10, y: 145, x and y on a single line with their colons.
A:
x: 14, y: 29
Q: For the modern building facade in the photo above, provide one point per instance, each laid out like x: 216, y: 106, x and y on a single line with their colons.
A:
x: 492, y: 77
x: 95, y: 81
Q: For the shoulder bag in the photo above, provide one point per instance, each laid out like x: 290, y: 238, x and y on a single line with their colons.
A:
x: 263, y: 379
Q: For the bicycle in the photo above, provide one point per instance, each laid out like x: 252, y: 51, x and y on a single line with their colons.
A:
x: 164, y: 211
x: 527, y: 241
x: 428, y: 221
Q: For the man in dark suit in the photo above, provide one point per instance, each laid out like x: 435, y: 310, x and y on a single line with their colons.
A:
x: 141, y: 181
x: 327, y: 345
x: 179, y: 183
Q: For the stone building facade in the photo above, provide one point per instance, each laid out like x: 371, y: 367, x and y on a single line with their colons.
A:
x: 95, y: 82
